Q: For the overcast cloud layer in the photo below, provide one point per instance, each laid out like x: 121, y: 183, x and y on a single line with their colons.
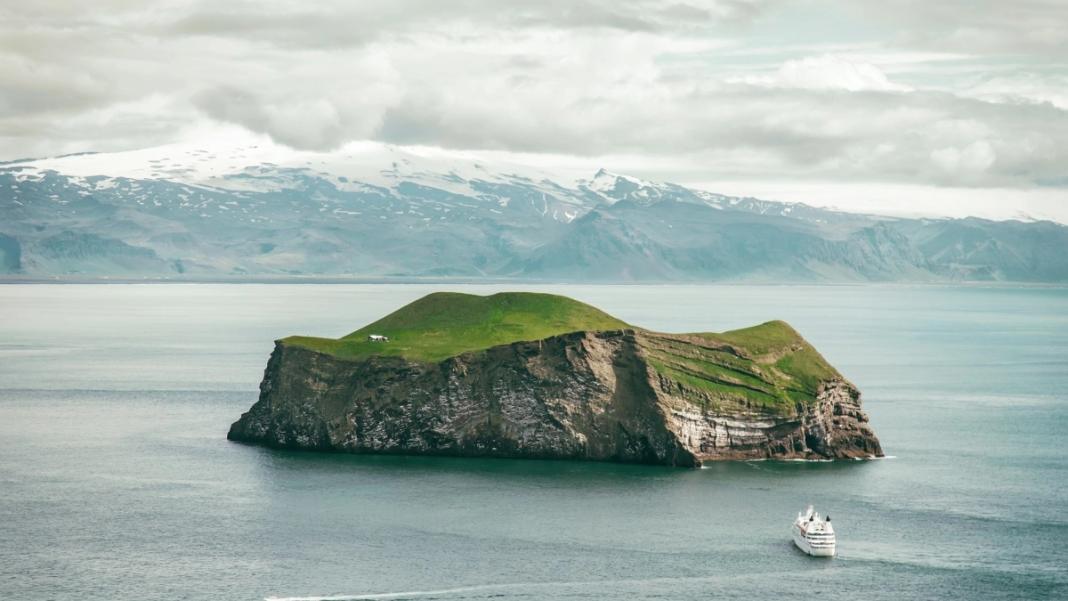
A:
x: 955, y: 93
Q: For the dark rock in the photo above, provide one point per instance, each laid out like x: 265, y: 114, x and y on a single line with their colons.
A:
x: 584, y: 395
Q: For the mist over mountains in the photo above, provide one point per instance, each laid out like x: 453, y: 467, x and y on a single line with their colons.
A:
x: 378, y: 211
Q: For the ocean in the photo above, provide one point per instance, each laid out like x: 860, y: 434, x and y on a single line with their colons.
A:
x: 117, y: 481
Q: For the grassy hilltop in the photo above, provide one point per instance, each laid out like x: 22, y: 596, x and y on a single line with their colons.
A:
x: 768, y: 366
x: 446, y: 324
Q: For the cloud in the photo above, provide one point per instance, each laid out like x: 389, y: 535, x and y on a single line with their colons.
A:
x: 311, y: 123
x: 34, y: 88
x: 827, y: 72
x: 704, y: 84
x: 340, y: 24
x: 1021, y: 87
x: 976, y: 157
x: 305, y: 123
x: 1017, y: 27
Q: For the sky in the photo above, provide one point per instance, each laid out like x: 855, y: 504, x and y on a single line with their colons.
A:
x: 899, y: 106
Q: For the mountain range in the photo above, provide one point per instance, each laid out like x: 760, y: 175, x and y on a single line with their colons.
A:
x: 371, y: 210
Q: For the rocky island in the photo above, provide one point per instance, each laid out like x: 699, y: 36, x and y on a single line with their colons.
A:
x: 544, y: 376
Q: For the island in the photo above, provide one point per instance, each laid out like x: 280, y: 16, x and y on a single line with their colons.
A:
x: 530, y: 375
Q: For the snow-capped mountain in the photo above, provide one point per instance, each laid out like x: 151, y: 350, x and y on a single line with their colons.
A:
x: 259, y: 166
x: 255, y: 208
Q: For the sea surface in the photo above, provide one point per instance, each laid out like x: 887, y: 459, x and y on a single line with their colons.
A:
x: 117, y: 481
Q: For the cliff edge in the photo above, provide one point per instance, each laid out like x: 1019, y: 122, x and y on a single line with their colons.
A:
x: 521, y: 375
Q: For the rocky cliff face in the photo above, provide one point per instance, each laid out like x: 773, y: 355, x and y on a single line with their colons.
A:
x: 584, y: 395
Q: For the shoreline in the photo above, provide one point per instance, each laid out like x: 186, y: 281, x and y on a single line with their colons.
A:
x: 386, y: 280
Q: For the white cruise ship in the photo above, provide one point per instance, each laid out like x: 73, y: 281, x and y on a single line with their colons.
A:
x: 814, y: 535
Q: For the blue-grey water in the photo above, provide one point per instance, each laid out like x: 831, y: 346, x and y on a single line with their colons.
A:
x: 117, y: 483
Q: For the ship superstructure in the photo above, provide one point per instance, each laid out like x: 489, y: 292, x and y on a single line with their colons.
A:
x: 814, y: 534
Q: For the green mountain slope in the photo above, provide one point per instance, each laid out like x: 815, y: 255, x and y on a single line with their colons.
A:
x: 563, y: 380
x: 765, y: 367
x: 445, y: 324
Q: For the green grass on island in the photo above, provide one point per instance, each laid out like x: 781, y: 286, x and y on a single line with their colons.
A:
x: 446, y: 324
x: 768, y: 367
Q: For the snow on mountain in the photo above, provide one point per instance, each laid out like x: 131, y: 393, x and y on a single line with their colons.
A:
x: 254, y: 207
x: 260, y: 166
x: 249, y: 164
x: 242, y: 162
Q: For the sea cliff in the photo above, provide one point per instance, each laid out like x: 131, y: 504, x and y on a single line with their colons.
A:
x: 622, y: 394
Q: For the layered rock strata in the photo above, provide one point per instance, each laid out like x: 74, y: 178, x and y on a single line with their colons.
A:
x: 620, y: 395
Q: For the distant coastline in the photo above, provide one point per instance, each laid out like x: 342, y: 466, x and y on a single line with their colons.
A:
x: 373, y: 280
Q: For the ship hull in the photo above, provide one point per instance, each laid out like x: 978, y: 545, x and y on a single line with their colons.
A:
x: 822, y: 551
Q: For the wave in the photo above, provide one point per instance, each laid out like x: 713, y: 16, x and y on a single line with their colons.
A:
x: 402, y: 594
x: 800, y: 460
x: 494, y: 590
